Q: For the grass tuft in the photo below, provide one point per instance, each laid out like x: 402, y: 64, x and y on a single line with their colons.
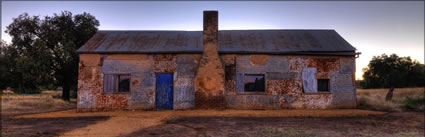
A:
x: 33, y: 104
x: 404, y: 99
x: 416, y: 104
x: 373, y: 102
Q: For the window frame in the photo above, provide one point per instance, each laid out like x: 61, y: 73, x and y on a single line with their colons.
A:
x: 315, y: 82
x: 116, y: 82
x: 254, y: 92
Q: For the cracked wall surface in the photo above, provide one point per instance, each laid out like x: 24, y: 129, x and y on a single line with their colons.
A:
x: 210, y: 79
x: 142, y: 70
x: 284, y: 83
x: 283, y: 74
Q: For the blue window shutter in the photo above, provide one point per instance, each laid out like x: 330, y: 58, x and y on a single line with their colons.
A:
x: 239, y: 83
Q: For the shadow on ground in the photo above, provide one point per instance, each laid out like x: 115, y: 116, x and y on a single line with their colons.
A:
x: 44, y: 127
x: 392, y: 124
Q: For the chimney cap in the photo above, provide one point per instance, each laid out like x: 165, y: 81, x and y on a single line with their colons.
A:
x: 210, y: 10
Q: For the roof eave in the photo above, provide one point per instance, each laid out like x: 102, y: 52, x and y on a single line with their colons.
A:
x: 139, y: 52
x: 347, y: 53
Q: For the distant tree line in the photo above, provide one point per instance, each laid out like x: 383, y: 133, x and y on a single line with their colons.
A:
x: 42, y: 53
x: 392, y: 71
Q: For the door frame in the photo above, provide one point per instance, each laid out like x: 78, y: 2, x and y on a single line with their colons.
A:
x: 172, y: 88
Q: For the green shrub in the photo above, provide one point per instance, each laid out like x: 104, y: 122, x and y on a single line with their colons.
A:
x: 416, y: 104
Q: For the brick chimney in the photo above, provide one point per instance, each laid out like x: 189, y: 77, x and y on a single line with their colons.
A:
x: 209, y: 80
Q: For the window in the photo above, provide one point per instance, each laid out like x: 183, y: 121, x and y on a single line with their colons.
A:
x: 116, y: 83
x: 313, y: 85
x: 323, y: 85
x: 254, y: 83
x: 124, y: 83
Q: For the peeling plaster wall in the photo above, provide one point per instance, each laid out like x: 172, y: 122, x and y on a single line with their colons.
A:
x: 90, y: 86
x: 210, y: 79
x: 184, y: 90
x: 142, y: 69
x: 284, y: 86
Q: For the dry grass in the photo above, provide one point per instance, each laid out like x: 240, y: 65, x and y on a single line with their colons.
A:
x: 374, y: 99
x: 125, y: 122
x: 54, y: 93
x: 32, y: 104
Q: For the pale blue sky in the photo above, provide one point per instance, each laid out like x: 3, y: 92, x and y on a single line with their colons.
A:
x: 372, y: 27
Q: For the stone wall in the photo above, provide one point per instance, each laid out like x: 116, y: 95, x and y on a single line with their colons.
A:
x: 209, y: 80
x: 142, y: 69
x: 284, y: 83
x: 283, y: 74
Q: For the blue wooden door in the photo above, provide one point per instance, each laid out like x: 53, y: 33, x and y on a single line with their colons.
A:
x: 164, y: 91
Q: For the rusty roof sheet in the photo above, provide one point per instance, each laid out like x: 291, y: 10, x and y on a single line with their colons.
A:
x: 143, y: 42
x: 230, y: 41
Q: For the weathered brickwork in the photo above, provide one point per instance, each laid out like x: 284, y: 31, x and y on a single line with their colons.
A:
x: 184, y: 90
x: 164, y: 63
x: 230, y: 73
x: 142, y: 69
x: 283, y: 83
x: 323, y: 64
x: 210, y: 76
x: 279, y: 87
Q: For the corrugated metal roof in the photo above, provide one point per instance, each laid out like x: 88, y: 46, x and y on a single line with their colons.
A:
x: 143, y: 42
x: 230, y: 41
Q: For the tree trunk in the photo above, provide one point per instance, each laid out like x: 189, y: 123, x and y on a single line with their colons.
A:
x: 389, y: 96
x: 65, y: 91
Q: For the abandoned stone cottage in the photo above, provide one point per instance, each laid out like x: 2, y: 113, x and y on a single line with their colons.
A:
x: 237, y: 69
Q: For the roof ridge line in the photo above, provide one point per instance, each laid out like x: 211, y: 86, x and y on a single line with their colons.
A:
x: 218, y: 30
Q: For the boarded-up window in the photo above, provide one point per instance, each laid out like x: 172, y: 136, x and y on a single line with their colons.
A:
x: 116, y: 83
x: 323, y: 85
x: 309, y: 80
x: 254, y: 83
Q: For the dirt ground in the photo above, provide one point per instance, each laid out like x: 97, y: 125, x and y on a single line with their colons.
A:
x: 344, y: 122
x: 45, y: 116
x: 394, y: 124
